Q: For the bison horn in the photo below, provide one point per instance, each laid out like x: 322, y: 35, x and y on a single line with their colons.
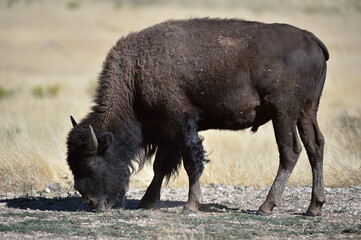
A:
x: 73, y: 121
x: 93, y: 142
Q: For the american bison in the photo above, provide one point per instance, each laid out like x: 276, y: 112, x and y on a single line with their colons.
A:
x: 160, y: 86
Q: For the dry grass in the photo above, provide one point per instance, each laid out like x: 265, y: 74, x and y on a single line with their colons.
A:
x: 48, y: 45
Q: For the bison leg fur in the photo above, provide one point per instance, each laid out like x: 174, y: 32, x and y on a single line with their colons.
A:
x: 289, y: 149
x: 193, y: 158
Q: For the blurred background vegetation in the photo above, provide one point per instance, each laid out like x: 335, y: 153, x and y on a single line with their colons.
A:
x: 52, y: 51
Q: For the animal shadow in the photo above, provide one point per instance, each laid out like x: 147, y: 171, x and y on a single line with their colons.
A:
x: 67, y: 204
x: 215, y: 207
x: 132, y: 204
x: 73, y: 204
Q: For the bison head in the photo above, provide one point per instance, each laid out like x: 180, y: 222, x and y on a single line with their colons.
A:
x: 100, y: 175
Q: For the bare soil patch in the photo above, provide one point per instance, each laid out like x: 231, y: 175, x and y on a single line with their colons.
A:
x: 227, y: 212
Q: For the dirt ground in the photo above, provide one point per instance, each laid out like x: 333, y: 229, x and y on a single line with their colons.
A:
x: 227, y: 212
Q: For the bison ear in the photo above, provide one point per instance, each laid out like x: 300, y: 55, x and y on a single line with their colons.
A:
x: 106, y: 140
x: 73, y: 121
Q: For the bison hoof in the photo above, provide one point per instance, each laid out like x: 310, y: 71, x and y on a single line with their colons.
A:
x: 190, y: 208
x: 188, y: 212
x: 312, y: 214
x: 261, y: 213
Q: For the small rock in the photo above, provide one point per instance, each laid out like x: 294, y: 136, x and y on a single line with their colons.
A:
x: 214, y: 185
x: 47, y: 190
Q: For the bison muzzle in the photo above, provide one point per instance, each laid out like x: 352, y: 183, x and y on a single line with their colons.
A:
x: 160, y: 86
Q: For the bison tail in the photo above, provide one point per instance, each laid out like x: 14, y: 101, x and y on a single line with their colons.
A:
x: 323, y: 48
x: 320, y: 44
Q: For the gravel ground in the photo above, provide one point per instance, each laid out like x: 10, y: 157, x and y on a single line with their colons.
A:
x: 235, y: 205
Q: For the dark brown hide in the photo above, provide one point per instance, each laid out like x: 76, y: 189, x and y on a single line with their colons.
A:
x: 162, y: 85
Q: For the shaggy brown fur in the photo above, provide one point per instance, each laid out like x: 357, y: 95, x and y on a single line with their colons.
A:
x: 162, y: 85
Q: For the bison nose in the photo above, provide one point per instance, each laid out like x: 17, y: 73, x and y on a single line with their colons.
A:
x: 90, y: 202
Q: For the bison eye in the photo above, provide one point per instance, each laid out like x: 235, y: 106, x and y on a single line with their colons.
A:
x: 96, y: 167
x: 95, y: 162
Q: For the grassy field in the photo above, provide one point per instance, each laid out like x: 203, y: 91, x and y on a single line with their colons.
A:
x: 51, y: 53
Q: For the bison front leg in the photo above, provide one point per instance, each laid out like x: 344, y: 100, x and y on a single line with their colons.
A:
x: 153, y: 192
x: 289, y: 149
x: 193, y: 158
x: 167, y: 161
x: 195, y: 192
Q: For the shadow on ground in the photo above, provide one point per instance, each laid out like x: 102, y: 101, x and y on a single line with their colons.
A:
x: 73, y: 204
x: 67, y: 204
x: 215, y: 207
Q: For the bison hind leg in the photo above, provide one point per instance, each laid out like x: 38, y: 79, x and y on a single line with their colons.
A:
x: 314, y: 142
x: 289, y: 149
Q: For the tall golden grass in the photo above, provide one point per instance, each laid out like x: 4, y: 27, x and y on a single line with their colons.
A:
x: 52, y: 51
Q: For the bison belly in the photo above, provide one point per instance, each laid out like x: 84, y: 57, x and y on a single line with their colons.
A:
x: 232, y: 109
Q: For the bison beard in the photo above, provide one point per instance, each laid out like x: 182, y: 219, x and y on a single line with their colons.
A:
x: 162, y: 85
